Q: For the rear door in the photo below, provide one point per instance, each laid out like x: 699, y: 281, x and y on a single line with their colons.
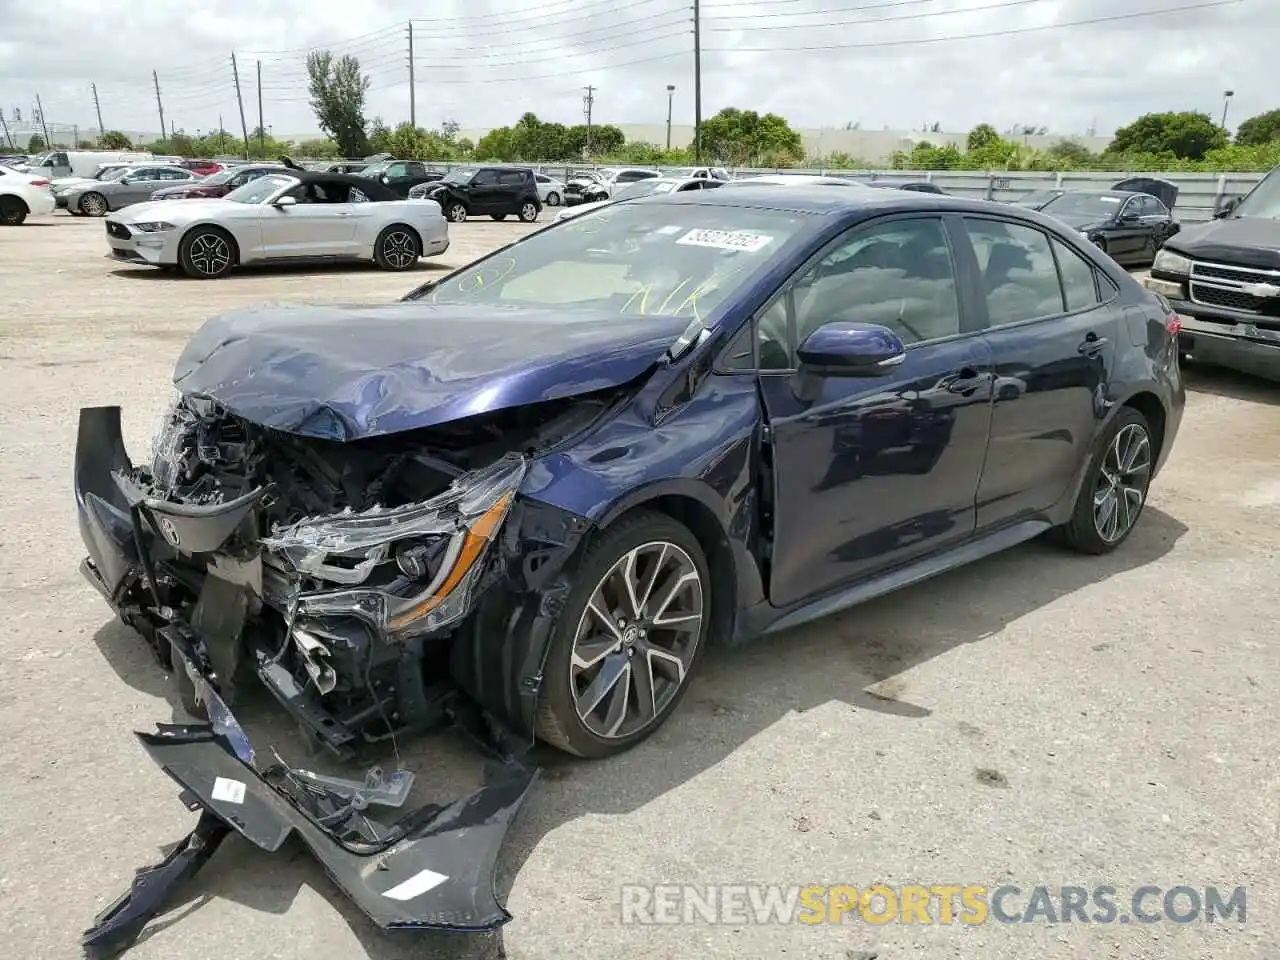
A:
x: 1053, y: 340
x: 870, y: 472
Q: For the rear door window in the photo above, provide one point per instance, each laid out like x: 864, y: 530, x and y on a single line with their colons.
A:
x: 1019, y: 274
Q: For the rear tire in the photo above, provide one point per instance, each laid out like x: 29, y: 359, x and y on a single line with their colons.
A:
x: 397, y: 249
x: 674, y: 591
x: 13, y: 211
x: 1115, y: 486
x: 553, y: 199
x: 206, y: 253
x: 528, y: 211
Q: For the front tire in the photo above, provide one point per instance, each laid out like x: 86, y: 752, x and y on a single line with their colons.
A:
x: 455, y: 212
x: 1115, y: 486
x: 628, y: 638
x: 94, y: 205
x: 397, y: 249
x: 206, y: 253
x: 13, y: 211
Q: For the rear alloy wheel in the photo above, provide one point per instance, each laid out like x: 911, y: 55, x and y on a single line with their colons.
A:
x: 13, y: 210
x: 397, y: 249
x: 528, y: 211
x: 628, y: 637
x: 553, y: 199
x: 1115, y: 486
x: 456, y: 212
x: 206, y: 254
x: 94, y: 205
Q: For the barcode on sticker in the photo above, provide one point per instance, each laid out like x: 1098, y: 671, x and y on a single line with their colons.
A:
x: 743, y: 240
x: 232, y: 791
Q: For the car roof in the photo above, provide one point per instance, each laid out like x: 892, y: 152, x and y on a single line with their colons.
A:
x: 819, y: 199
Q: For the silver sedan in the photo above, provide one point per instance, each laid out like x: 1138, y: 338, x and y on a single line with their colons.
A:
x: 98, y: 198
x: 641, y: 188
x: 298, y: 216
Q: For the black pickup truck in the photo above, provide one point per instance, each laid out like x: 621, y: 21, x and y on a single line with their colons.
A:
x: 1223, y: 279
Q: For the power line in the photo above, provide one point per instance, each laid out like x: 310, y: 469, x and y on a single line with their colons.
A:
x: 981, y: 36
x: 868, y: 7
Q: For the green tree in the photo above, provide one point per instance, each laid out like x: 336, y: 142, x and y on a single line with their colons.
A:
x: 1186, y: 135
x: 338, y: 90
x: 981, y: 137
x: 745, y: 138
x: 36, y: 144
x: 115, y: 140
x: 321, y: 149
x: 86, y: 145
x: 498, y: 144
x: 1072, y: 154
x: 1264, y: 128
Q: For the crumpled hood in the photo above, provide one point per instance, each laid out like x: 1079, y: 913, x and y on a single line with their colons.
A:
x: 1242, y: 241
x: 346, y: 372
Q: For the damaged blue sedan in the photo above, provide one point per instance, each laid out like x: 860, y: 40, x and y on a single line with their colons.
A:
x: 529, y: 496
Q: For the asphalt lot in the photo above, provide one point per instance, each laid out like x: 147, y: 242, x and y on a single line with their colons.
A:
x: 1037, y: 718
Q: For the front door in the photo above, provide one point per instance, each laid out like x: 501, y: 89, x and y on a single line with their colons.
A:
x: 320, y: 224
x: 484, y: 193
x: 1053, y: 338
x: 872, y: 472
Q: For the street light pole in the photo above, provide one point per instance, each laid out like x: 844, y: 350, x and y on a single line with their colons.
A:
x: 671, y: 90
x: 1226, y: 102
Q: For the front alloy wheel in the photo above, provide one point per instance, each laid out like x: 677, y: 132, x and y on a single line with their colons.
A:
x: 457, y: 213
x: 93, y: 205
x: 628, y: 639
x: 205, y: 255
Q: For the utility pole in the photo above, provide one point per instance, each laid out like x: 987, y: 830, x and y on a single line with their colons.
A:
x: 98, y: 108
x: 1226, y: 102
x: 159, y: 103
x: 262, y: 131
x: 221, y: 132
x: 48, y: 145
x: 244, y: 129
x: 697, y: 81
x: 4, y: 124
x: 671, y: 92
x: 588, y: 101
x: 413, y: 106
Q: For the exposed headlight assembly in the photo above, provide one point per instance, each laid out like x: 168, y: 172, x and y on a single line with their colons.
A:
x: 1173, y: 263
x: 443, y: 539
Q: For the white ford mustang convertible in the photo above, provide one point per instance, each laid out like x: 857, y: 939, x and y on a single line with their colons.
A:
x: 292, y: 216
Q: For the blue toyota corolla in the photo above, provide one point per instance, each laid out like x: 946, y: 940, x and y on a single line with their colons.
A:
x: 540, y: 487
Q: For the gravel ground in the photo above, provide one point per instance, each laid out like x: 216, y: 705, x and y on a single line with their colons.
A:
x: 1037, y: 718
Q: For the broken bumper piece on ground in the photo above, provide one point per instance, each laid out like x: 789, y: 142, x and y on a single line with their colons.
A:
x: 433, y: 868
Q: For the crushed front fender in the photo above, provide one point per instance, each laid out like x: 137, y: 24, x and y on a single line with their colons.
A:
x: 431, y: 869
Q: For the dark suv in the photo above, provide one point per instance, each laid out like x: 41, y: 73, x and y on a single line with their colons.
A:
x: 1223, y: 279
x: 399, y: 176
x: 498, y: 191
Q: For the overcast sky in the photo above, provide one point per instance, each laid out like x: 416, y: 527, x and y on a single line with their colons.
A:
x: 499, y: 58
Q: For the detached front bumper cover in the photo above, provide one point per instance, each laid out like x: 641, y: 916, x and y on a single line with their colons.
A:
x: 433, y: 868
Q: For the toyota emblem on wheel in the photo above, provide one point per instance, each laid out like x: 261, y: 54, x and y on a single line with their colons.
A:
x: 170, y: 531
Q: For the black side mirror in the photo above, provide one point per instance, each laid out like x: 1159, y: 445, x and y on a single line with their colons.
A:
x: 843, y: 348
x: 1228, y: 207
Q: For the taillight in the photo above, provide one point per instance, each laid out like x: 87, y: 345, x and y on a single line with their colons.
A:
x: 1173, y: 325
x: 39, y: 183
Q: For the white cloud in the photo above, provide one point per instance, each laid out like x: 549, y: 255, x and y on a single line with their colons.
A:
x: 483, y: 63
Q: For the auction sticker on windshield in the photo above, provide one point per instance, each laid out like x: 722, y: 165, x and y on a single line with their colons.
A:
x: 743, y: 240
